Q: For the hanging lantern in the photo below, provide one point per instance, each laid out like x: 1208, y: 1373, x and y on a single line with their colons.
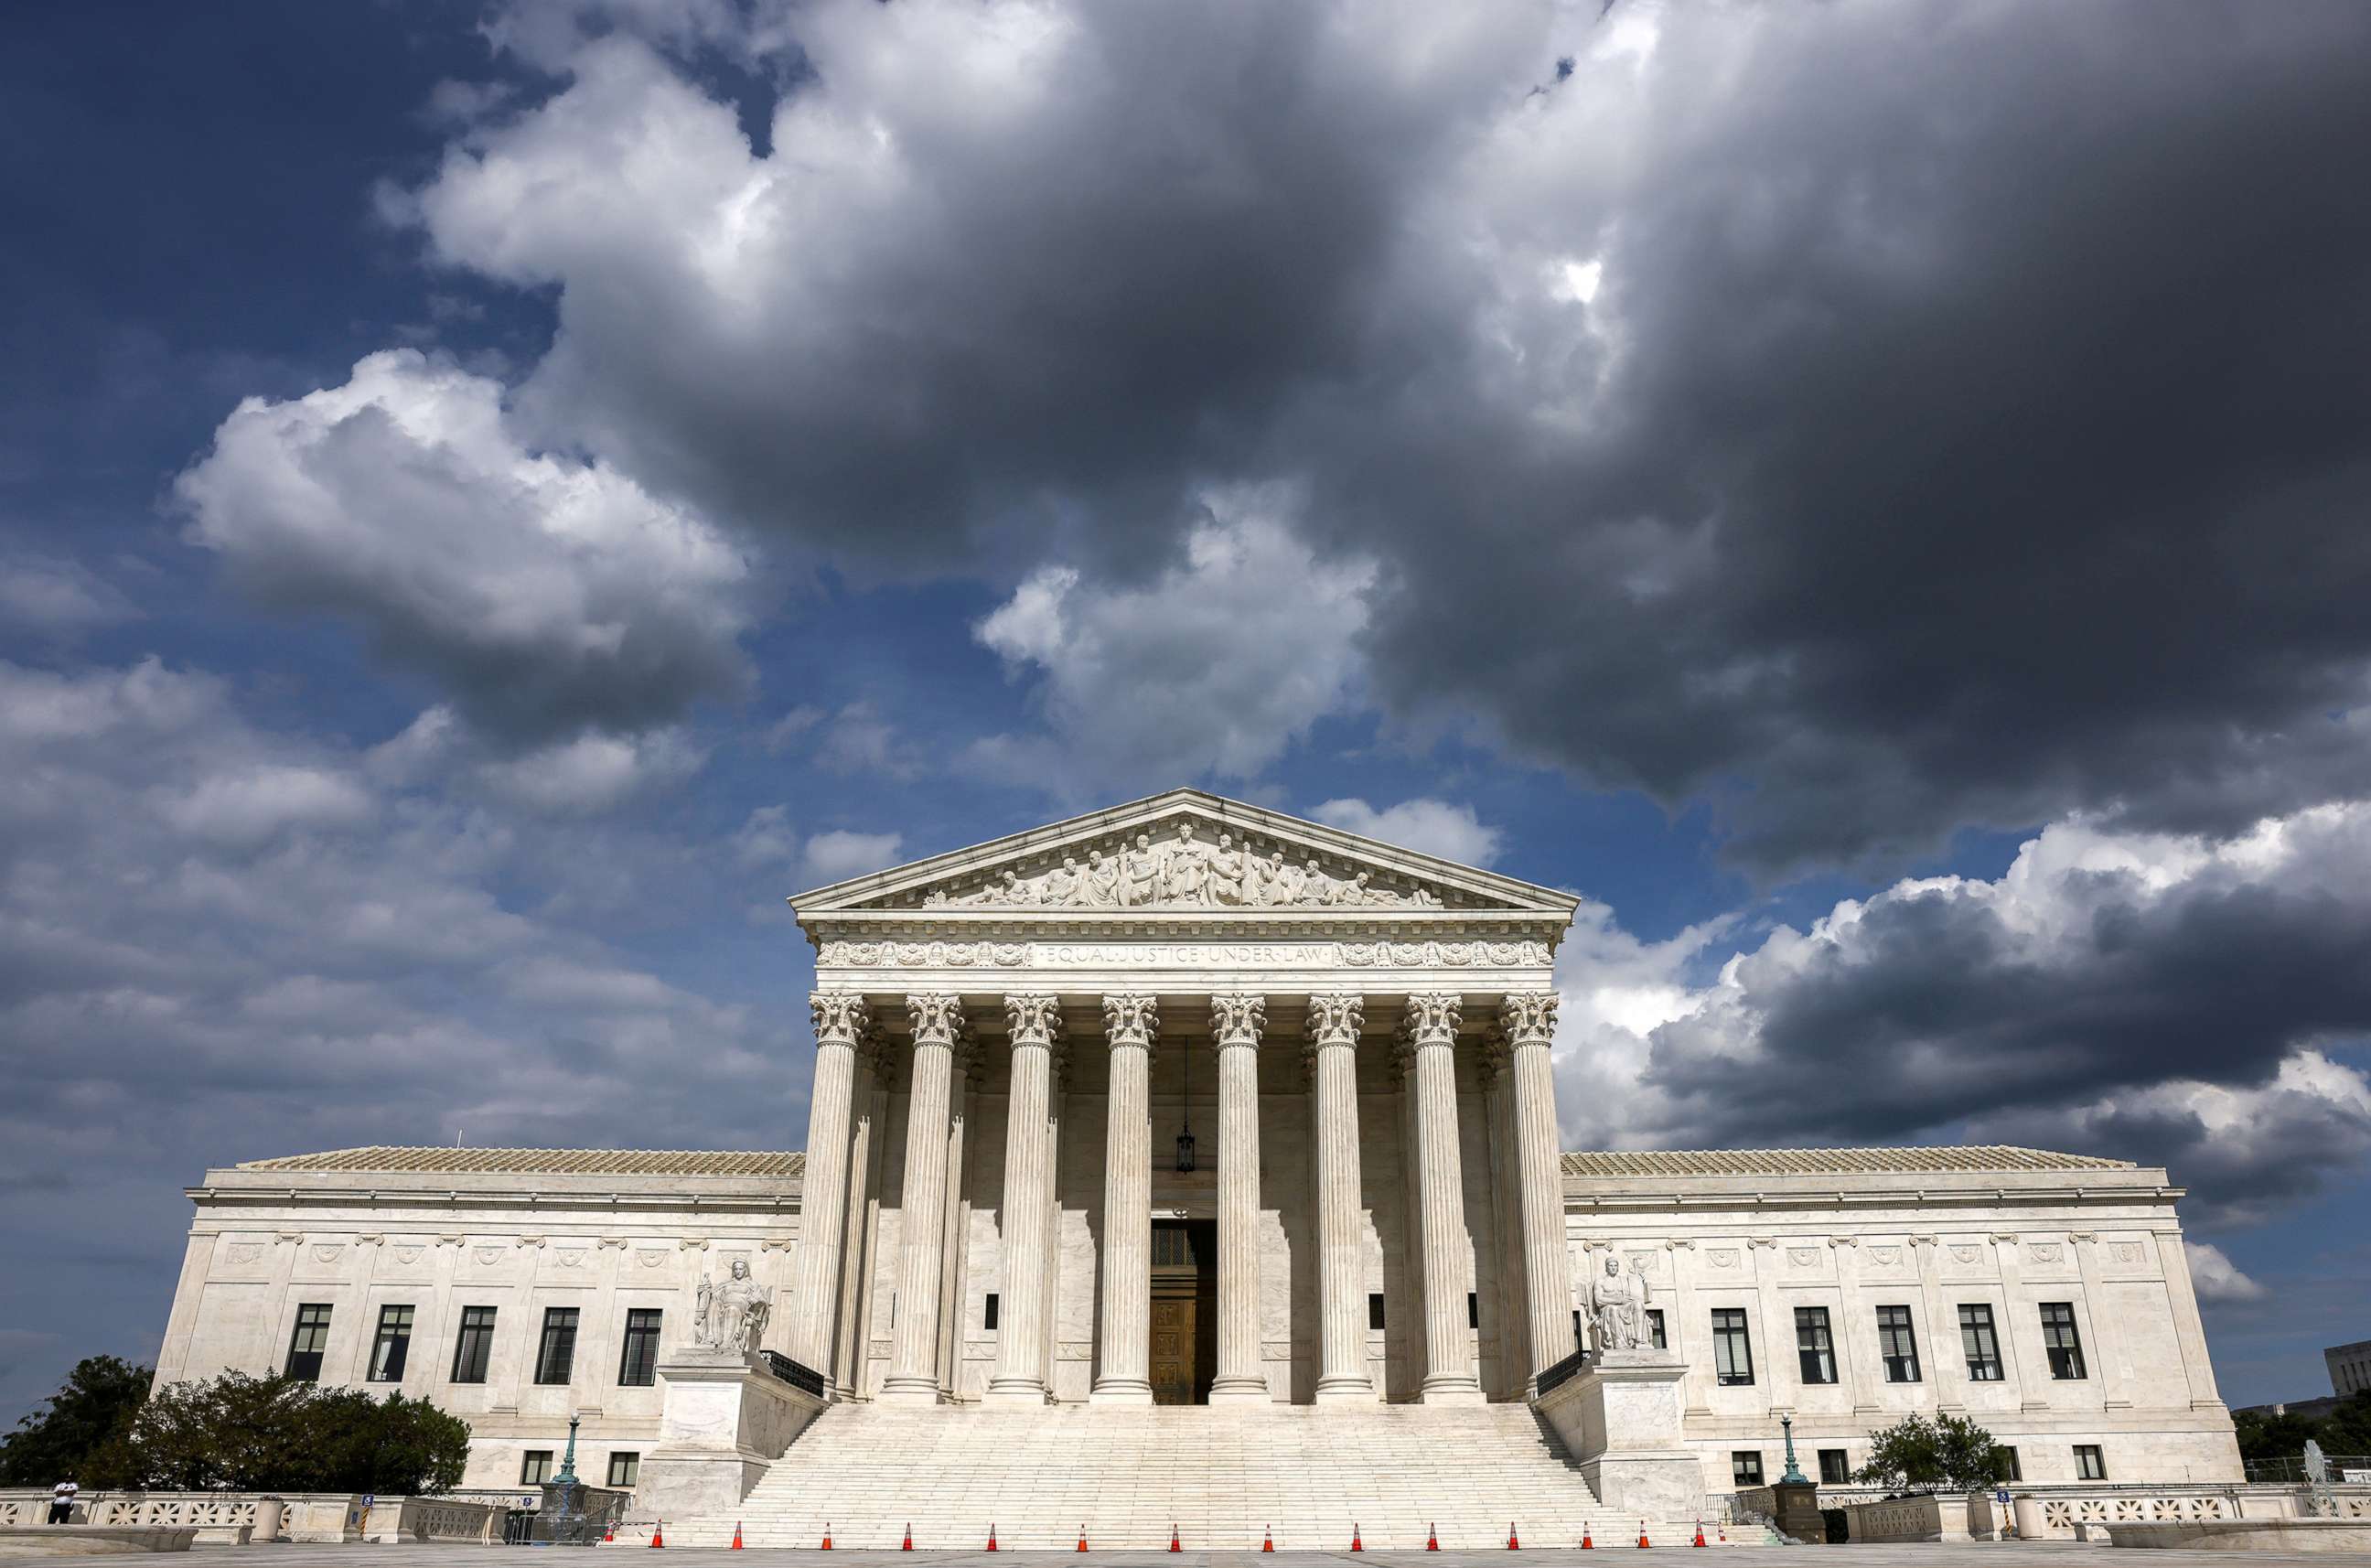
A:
x: 1186, y: 1128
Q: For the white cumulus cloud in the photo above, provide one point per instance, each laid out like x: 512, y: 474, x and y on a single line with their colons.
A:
x: 1433, y: 826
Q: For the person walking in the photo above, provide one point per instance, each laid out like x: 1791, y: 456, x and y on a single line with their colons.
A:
x: 62, y: 1501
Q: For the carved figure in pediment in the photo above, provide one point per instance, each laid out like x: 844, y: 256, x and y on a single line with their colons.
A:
x: 1224, y: 884
x: 1141, y: 873
x: 1100, y: 887
x: 1182, y: 868
x: 1062, y: 882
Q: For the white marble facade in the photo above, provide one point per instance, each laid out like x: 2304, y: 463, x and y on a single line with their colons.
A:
x: 1010, y: 1040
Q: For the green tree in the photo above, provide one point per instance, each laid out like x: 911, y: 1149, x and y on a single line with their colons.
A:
x: 1948, y: 1453
x: 279, y: 1434
x: 92, y: 1407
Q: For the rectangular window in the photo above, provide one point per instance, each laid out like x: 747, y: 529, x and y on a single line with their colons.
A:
x: 555, y: 1356
x: 625, y: 1468
x: 1835, y: 1467
x: 1732, y: 1348
x: 1811, y: 1344
x: 2005, y: 1465
x: 1745, y: 1466
x: 534, y: 1466
x: 310, y: 1338
x: 475, y: 1345
x: 2063, y: 1341
x: 2089, y: 1463
x: 1655, y: 1328
x: 1473, y: 1310
x: 1897, y: 1344
x: 1982, y: 1345
x: 1374, y: 1312
x: 393, y: 1346
x: 637, y: 1363
x: 988, y: 1312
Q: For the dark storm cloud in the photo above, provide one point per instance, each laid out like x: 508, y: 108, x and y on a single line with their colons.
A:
x: 1959, y: 421
x: 2147, y: 998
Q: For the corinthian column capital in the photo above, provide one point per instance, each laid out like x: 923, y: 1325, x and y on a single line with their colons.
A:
x: 1528, y: 1017
x: 1237, y: 1017
x: 1334, y: 1017
x: 1131, y: 1020
x: 841, y: 1017
x: 938, y: 1017
x: 1035, y: 1019
x: 1431, y: 1017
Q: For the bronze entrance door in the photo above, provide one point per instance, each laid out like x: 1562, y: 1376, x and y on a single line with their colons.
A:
x: 1185, y: 1315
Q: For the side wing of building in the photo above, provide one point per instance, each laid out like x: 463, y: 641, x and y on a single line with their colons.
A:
x: 2046, y: 1297
x: 510, y: 1286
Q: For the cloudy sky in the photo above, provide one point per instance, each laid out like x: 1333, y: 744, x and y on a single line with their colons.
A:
x: 1871, y: 495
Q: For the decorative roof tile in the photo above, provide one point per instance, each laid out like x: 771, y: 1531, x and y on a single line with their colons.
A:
x: 1826, y: 1162
x: 390, y: 1158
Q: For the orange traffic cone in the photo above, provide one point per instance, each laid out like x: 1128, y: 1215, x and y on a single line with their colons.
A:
x: 736, y: 1536
x: 658, y: 1536
x: 1354, y: 1538
x: 991, y: 1535
x: 1513, y: 1544
x: 1699, y: 1540
x: 1267, y: 1539
x: 1586, y: 1544
x: 907, y: 1544
x: 1173, y: 1540
x: 827, y: 1535
x: 1642, y: 1534
x: 1082, y: 1535
x: 1433, y: 1538
x: 1722, y: 1525
x: 609, y: 1533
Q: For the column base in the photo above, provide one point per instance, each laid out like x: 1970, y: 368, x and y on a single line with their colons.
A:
x: 1239, y: 1391
x: 910, y: 1391
x: 1345, y: 1391
x: 1015, y: 1393
x: 1121, y: 1391
x: 1450, y: 1391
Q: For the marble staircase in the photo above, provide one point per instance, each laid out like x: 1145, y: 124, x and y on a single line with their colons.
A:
x: 1220, y: 1474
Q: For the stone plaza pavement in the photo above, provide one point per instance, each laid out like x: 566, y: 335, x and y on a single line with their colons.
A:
x: 2008, y: 1554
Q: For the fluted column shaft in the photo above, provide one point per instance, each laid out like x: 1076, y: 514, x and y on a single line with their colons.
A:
x: 921, y: 1249
x: 1236, y: 1020
x: 1529, y: 1019
x: 1027, y: 1205
x: 1130, y: 1023
x: 858, y: 1260
x: 1333, y: 1021
x: 839, y: 1018
x: 1449, y: 1377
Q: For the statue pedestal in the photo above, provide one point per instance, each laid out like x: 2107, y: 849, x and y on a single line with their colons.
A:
x: 1620, y: 1420
x: 1796, y: 1503
x: 724, y: 1418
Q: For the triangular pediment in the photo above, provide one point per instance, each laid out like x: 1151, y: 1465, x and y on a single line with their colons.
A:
x: 1185, y: 853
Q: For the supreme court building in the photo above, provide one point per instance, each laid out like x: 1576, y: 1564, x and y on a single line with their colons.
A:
x: 1191, y: 1103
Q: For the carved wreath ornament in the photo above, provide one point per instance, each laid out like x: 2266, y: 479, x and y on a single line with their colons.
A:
x: 1182, y: 872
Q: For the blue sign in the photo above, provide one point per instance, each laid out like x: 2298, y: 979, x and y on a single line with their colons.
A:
x: 2001, y: 1496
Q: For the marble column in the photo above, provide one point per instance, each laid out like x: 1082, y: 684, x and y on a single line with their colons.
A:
x: 923, y: 1208
x: 1334, y: 1021
x: 840, y: 1018
x: 857, y: 1262
x: 1236, y: 1020
x: 1528, y: 1018
x: 1431, y: 1030
x: 960, y: 1158
x: 1130, y: 1022
x: 1027, y: 1204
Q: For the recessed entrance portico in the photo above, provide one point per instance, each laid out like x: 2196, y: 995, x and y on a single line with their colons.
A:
x: 1358, y: 1033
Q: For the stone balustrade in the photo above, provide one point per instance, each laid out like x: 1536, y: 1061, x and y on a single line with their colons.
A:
x: 229, y: 1517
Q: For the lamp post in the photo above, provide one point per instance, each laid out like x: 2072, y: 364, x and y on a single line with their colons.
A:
x: 567, y: 1462
x: 1794, y: 1472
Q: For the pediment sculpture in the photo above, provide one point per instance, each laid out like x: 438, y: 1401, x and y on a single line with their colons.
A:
x: 1181, y: 871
